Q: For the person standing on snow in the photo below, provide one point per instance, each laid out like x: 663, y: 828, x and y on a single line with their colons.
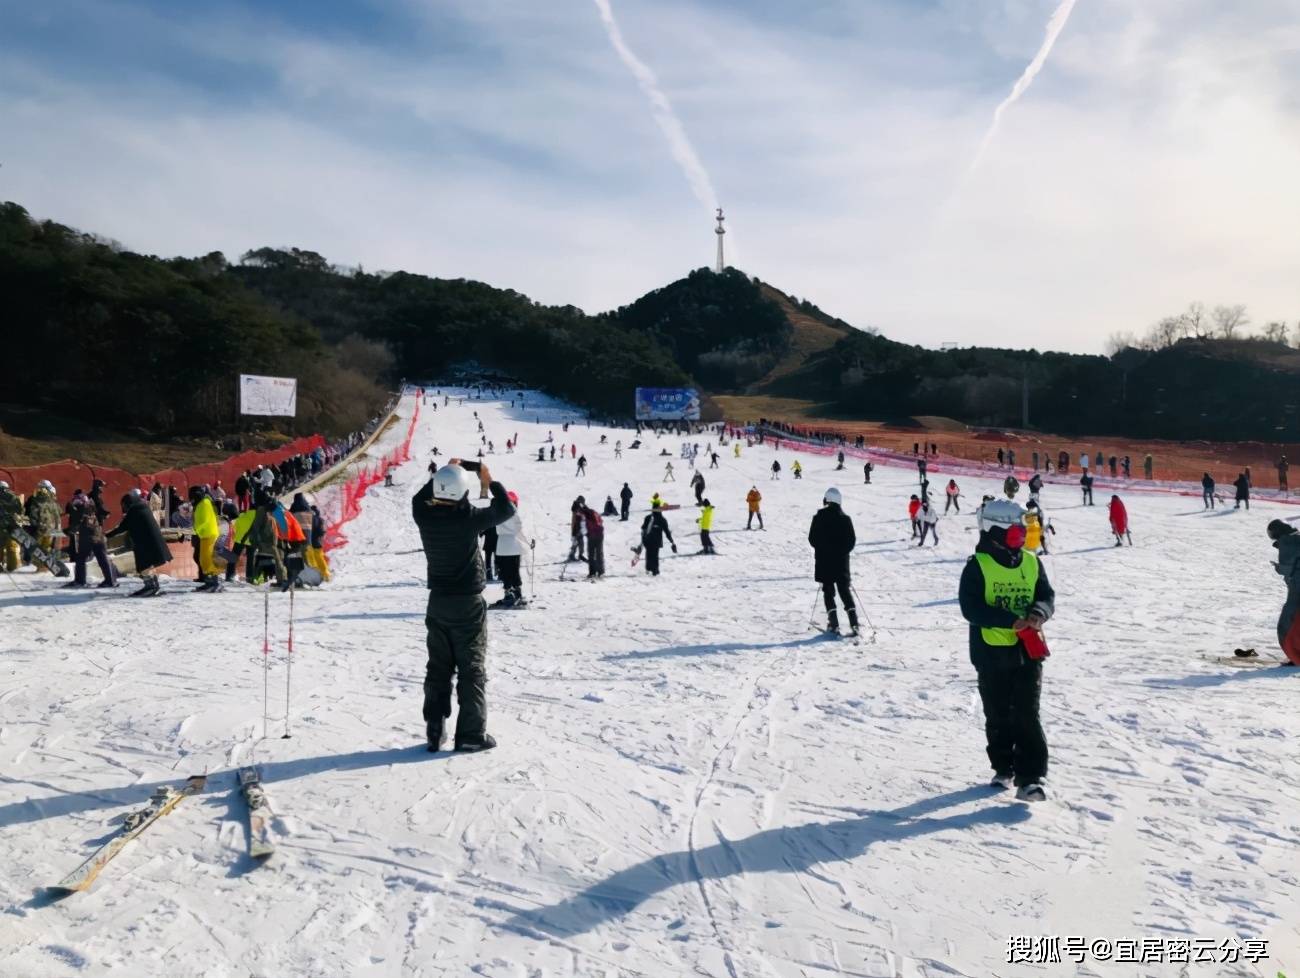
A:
x: 595, y: 542
x: 1119, y: 521
x: 1242, y: 484
x: 953, y: 495
x: 832, y: 539
x: 1085, y: 483
x: 1035, y: 529
x: 1035, y: 487
x: 625, y: 495
x: 582, y: 467
x: 1287, y: 542
x: 928, y: 517
x: 754, y: 500
x: 511, y: 544
x: 85, y: 528
x: 575, y: 530
x: 797, y: 469
x: 668, y: 472
x: 206, y: 531
x: 866, y: 473
x: 705, y: 521
x: 1005, y: 596
x: 697, y: 483
x: 776, y: 469
x: 1083, y: 462
x: 654, y: 528
x: 1207, y: 490
x: 839, y: 458
x: 456, y: 615
x: 147, y: 544
x: 1148, y: 467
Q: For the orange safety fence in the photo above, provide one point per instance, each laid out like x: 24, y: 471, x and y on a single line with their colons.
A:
x: 344, y: 505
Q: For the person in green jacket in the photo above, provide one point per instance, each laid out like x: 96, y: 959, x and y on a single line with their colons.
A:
x: 705, y: 521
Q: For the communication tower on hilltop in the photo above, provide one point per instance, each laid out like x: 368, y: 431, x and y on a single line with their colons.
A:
x: 719, y: 231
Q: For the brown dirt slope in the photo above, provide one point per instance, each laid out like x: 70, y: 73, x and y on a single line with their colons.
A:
x: 810, y: 336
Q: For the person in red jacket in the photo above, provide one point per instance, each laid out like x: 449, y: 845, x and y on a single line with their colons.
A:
x: 913, y: 508
x: 1119, y: 521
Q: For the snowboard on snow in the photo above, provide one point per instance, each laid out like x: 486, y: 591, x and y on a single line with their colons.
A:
x: 37, y: 554
x: 260, y: 843
x: 162, y: 801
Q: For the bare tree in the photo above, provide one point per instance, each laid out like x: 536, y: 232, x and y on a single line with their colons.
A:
x: 1120, y: 341
x: 1165, y: 333
x: 1275, y: 332
x: 1195, y: 323
x: 1229, y: 319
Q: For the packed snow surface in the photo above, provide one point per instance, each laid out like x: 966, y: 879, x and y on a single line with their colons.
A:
x: 690, y: 781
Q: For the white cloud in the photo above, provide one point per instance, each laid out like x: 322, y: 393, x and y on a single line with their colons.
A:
x: 1151, y: 164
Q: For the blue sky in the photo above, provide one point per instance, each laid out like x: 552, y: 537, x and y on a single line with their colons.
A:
x: 1151, y: 163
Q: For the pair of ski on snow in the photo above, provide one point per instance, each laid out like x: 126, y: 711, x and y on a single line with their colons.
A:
x: 163, y: 800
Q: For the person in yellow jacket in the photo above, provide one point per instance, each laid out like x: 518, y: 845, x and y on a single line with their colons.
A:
x: 706, y: 524
x: 206, y: 531
x: 754, y: 498
x: 735, y: 450
x: 797, y: 469
x: 1035, y: 531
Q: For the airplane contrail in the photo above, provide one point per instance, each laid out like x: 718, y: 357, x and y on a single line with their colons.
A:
x: 662, y: 109
x: 1054, y: 28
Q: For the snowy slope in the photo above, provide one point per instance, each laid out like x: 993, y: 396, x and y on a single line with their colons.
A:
x: 689, y: 782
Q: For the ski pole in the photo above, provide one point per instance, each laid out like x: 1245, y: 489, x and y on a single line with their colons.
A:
x: 532, y: 570
x: 288, y: 669
x: 812, y: 612
x: 266, y: 663
x: 862, y: 609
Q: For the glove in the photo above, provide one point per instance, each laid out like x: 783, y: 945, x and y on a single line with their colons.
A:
x: 674, y: 548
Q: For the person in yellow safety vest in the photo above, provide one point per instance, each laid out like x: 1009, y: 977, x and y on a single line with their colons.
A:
x: 1005, y: 595
x: 238, y: 543
x: 797, y: 469
x: 706, y: 524
x: 206, y: 531
x: 735, y: 450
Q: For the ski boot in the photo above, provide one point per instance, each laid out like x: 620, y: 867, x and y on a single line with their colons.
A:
x: 832, y: 622
x: 853, y: 621
x: 148, y: 589
x: 1002, y: 780
x: 472, y: 745
x: 433, y: 736
x: 1031, y: 793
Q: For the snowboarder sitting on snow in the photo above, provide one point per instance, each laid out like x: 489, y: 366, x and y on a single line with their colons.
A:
x: 1005, y: 595
x: 1287, y: 542
x: 1119, y: 522
x: 456, y: 616
x: 705, y: 522
x: 653, y: 530
x: 754, y: 499
x: 610, y: 509
x: 832, y: 539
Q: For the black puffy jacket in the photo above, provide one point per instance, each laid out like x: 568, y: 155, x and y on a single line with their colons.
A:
x: 450, y: 537
x: 832, y: 539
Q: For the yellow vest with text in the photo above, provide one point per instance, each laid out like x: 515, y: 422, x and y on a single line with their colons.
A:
x: 1009, y: 588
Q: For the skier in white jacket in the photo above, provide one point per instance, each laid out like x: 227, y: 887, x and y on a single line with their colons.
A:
x: 512, y: 545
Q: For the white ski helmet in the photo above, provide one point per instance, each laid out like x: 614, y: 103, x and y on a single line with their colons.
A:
x: 451, y: 483
x: 45, y: 484
x: 1002, y: 512
x: 832, y: 496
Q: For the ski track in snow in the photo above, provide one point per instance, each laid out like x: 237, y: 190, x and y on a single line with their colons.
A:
x: 690, y: 781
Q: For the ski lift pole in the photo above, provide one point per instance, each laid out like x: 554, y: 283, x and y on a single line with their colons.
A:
x: 288, y: 669
x: 266, y: 663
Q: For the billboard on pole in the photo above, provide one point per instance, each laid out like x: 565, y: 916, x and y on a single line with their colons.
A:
x: 667, y: 404
x: 273, y: 396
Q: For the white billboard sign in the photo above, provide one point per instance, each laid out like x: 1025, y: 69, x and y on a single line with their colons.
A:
x: 274, y: 396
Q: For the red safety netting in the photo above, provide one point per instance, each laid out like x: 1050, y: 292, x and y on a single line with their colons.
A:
x: 344, y: 505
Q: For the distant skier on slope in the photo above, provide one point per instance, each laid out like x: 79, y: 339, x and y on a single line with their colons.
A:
x: 653, y: 530
x: 1287, y: 542
x: 754, y: 500
x: 1207, y: 490
x: 928, y: 517
x: 697, y: 483
x: 625, y: 497
x: 1005, y: 595
x: 832, y: 539
x: 953, y: 497
x: 456, y: 616
x: 705, y: 522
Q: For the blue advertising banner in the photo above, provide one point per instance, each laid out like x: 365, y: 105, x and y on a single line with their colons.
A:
x: 667, y: 404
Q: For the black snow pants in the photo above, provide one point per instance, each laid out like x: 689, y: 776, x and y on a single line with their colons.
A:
x: 1014, y: 734
x: 457, y: 643
x: 508, y: 571
x: 651, y: 559
x: 596, y: 555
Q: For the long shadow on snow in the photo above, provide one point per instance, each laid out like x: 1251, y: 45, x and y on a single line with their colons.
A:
x: 50, y: 598
x: 1238, y: 674
x: 789, y: 849
x: 63, y: 802
x: 716, y: 647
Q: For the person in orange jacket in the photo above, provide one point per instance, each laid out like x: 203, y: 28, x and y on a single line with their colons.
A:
x: 754, y: 498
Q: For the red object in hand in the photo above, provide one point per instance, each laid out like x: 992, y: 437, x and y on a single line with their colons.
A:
x: 1035, y: 644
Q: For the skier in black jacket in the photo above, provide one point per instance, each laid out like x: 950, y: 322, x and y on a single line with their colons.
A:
x: 1242, y: 484
x: 653, y: 530
x: 456, y: 617
x: 625, y: 494
x: 1005, y: 595
x: 1207, y: 490
x: 147, y: 544
x: 832, y: 539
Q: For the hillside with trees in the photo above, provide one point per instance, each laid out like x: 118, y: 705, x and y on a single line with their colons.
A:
x: 154, y: 345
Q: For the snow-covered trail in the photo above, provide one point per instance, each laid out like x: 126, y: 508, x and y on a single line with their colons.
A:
x: 689, y: 782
